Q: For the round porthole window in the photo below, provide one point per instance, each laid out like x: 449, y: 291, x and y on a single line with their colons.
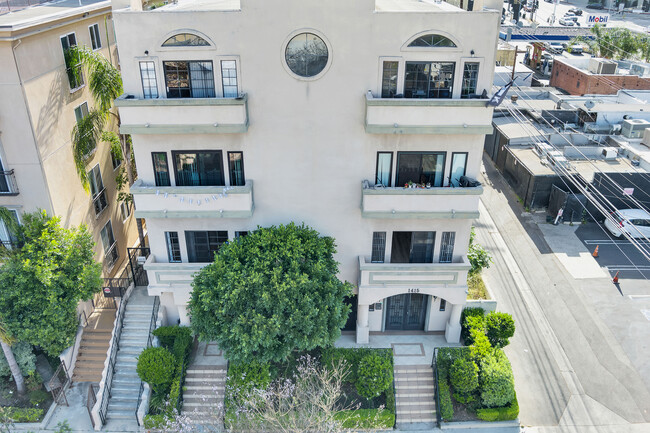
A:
x: 306, y: 55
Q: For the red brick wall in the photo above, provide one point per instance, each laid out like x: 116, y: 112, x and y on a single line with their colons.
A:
x: 576, y: 82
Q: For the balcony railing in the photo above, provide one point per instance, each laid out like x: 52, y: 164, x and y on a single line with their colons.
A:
x: 381, y: 280
x: 434, y: 202
x: 427, y: 116
x: 99, y: 202
x: 8, y: 184
x: 183, y: 115
x: 111, y: 257
x: 192, y: 201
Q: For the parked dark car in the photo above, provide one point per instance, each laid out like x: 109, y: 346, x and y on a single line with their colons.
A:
x: 576, y: 11
x: 595, y: 6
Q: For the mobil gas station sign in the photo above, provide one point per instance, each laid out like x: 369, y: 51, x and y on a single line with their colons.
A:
x: 600, y: 19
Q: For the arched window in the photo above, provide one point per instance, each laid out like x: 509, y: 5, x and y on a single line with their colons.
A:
x: 185, y: 40
x: 432, y: 41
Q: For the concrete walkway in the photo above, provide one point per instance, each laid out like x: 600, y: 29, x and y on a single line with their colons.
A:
x: 571, y: 373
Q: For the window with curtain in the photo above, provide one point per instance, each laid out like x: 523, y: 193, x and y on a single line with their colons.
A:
x: 384, y: 168
x: 389, y: 79
x: 420, y: 167
x: 433, y: 80
x: 194, y: 79
x: 458, y: 166
x: 470, y: 80
x: 173, y: 247
x: 201, y: 245
x: 160, y: 168
x: 148, y: 78
x: 202, y: 168
x: 229, y: 78
x: 236, y: 168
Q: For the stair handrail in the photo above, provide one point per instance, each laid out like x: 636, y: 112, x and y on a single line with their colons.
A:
x: 103, y: 407
x: 434, y: 365
x: 152, y: 325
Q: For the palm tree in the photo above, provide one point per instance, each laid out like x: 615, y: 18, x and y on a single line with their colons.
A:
x: 601, y: 44
x: 7, y: 341
x: 105, y: 84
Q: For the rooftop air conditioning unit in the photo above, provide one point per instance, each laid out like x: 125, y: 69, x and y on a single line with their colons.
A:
x: 602, y: 66
x: 640, y: 70
x: 610, y: 153
x: 633, y: 128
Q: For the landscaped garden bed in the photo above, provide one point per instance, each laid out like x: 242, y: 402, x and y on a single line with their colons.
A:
x: 476, y: 382
x: 365, y: 397
x: 163, y: 368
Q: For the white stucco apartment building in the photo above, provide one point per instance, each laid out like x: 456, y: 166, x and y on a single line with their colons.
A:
x: 253, y: 113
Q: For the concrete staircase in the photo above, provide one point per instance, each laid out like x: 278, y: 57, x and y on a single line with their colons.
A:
x: 135, y: 334
x: 204, y: 391
x: 93, y: 348
x: 414, y: 395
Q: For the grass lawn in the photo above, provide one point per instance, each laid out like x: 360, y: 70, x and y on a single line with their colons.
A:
x: 477, y: 289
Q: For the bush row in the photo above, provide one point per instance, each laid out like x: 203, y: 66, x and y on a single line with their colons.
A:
x: 19, y: 414
x: 497, y: 327
x: 366, y: 418
x: 446, y: 407
x: 506, y: 413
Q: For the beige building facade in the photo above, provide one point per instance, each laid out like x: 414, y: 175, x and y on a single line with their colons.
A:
x: 39, y: 105
x: 358, y: 118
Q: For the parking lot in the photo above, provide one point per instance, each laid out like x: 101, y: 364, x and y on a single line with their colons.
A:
x: 614, y: 254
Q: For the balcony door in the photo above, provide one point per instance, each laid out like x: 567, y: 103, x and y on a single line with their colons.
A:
x: 203, y: 168
x: 420, y: 167
x: 406, y: 312
x: 412, y: 247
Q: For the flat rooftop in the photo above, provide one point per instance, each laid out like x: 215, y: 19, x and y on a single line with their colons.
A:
x: 380, y: 6
x: 49, y: 11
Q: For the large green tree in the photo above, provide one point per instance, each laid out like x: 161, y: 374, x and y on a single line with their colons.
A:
x: 43, y: 282
x: 269, y: 293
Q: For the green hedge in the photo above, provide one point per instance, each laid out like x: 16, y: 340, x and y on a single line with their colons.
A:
x: 505, y: 413
x: 155, y: 421
x: 352, y: 357
x: 19, y: 414
x: 374, y: 375
x: 469, y: 312
x: 446, y: 357
x: 366, y: 418
x: 446, y: 407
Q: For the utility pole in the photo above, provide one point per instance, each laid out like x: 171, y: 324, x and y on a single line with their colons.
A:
x: 514, y: 65
x: 555, y: 2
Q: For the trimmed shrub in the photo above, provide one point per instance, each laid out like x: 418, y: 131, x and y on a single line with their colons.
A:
x: 366, y: 418
x: 446, y: 407
x: 20, y: 414
x: 497, y: 381
x: 182, y: 345
x: 506, y: 413
x: 24, y: 357
x: 156, y: 366
x: 246, y: 376
x: 334, y: 356
x: 374, y: 376
x: 472, y: 324
x: 446, y: 357
x: 499, y: 327
x: 464, y: 379
x: 168, y: 334
x: 481, y: 347
x: 155, y: 421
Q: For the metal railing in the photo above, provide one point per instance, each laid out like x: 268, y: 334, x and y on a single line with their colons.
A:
x: 152, y: 325
x: 7, y: 6
x: 8, y: 185
x: 111, y: 257
x: 91, y: 399
x: 434, y: 365
x: 58, y: 384
x: 99, y: 202
x: 112, y: 357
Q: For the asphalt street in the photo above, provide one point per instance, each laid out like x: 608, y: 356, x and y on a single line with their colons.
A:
x: 580, y: 353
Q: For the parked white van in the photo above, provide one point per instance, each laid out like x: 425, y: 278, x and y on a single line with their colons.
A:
x: 635, y: 222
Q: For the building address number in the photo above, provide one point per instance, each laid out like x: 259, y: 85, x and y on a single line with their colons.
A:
x: 413, y: 290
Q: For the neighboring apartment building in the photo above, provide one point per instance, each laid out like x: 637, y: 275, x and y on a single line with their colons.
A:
x: 254, y: 113
x: 596, y: 76
x: 40, y: 101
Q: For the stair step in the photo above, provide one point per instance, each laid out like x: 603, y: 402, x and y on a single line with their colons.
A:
x: 412, y: 386
x: 123, y: 397
x: 414, y: 411
x: 122, y: 405
x: 413, y: 401
x: 199, y: 404
x: 94, y: 344
x: 120, y: 414
x: 123, y: 387
x: 416, y: 394
x: 205, y: 379
x: 210, y: 388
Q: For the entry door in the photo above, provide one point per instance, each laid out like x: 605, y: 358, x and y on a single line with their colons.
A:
x: 406, y: 312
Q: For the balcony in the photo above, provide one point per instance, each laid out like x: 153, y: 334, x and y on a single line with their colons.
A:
x: 171, y: 277
x: 8, y: 184
x: 381, y: 280
x: 427, y: 116
x: 99, y: 202
x: 192, y: 201
x: 435, y: 202
x: 183, y: 115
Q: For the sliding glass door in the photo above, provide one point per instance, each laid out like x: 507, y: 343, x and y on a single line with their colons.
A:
x: 420, y: 167
x: 201, y: 168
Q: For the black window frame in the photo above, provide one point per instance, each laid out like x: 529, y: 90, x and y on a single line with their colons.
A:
x: 444, y: 162
x: 218, y: 236
x: 451, y: 165
x: 465, y: 92
x: 173, y: 248
x: 151, y: 90
x: 180, y: 91
x: 447, y: 256
x: 432, y: 92
x: 155, y: 172
x: 95, y: 36
x: 222, y: 181
x: 74, y: 72
x: 241, y: 234
x: 390, y: 172
x: 386, y: 89
x: 231, y: 169
x: 378, y: 251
